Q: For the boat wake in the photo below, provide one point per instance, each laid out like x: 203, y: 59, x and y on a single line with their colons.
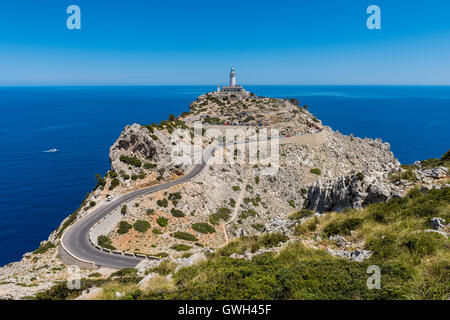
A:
x: 52, y: 150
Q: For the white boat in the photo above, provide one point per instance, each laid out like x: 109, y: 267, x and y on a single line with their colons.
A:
x: 52, y: 150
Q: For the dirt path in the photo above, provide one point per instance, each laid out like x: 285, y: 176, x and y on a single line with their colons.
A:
x: 238, y: 203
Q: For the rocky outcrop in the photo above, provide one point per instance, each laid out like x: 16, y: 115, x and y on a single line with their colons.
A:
x: 353, y: 191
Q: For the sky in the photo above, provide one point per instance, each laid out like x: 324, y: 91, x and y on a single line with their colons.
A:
x: 146, y: 42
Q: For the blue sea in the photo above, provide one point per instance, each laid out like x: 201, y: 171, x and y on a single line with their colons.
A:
x: 39, y: 189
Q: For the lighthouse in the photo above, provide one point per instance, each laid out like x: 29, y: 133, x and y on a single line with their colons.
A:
x: 232, y: 78
x: 232, y: 89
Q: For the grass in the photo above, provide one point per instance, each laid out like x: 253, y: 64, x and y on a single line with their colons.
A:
x: 433, y: 163
x: 414, y: 264
x: 315, y: 171
x: 304, y: 213
x: 44, y: 248
x: 403, y: 175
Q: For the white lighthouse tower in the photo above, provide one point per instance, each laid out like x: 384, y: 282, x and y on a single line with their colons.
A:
x: 232, y: 78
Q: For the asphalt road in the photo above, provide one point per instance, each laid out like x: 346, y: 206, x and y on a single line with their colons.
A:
x: 76, y: 238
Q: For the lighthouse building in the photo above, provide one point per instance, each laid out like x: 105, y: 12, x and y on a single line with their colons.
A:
x: 232, y: 88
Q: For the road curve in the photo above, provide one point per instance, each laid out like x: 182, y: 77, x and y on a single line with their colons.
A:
x: 75, y: 240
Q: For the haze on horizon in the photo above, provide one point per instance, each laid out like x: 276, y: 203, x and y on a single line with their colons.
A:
x: 197, y: 42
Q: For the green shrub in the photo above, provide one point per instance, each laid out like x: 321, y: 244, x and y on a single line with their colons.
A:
x: 92, y: 204
x: 162, y: 203
x: 162, y: 254
x: 124, y: 209
x: 133, y: 160
x: 236, y: 188
x: 203, y: 227
x: 124, y: 227
x: 149, y: 166
x: 185, y: 236
x: 259, y: 227
x: 150, y: 211
x: 221, y: 214
x: 141, y: 226
x: 403, y: 175
x: 162, y: 221
x: 114, y: 183
x: 177, y: 213
x: 100, y: 181
x: 157, y: 231
x: 291, y: 203
x: 105, y: 242
x: 342, y: 227
x: 181, y: 247
x: 316, y: 171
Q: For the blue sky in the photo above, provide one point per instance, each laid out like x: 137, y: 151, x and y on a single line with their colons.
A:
x: 196, y: 42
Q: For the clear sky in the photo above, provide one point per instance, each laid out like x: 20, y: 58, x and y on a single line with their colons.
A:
x: 196, y: 42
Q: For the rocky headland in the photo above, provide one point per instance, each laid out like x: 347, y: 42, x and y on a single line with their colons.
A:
x: 321, y: 175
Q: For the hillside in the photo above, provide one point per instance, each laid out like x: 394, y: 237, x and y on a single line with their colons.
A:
x: 331, y: 199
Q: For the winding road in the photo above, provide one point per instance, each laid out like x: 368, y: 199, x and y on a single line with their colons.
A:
x: 75, y: 240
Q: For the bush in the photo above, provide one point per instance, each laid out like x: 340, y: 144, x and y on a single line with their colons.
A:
x: 185, y: 236
x: 162, y: 221
x: 105, y: 242
x: 100, y: 181
x: 141, y: 226
x: 150, y: 166
x: 342, y: 227
x: 162, y: 203
x: 203, y: 227
x: 133, y: 161
x: 92, y: 203
x: 235, y: 188
x: 316, y: 171
x: 180, y: 247
x: 177, y: 213
x: 157, y: 231
x: 114, y: 183
x: 124, y: 227
x: 150, y: 211
x: 403, y: 175
x: 221, y: 214
x: 259, y: 227
x: 124, y: 209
